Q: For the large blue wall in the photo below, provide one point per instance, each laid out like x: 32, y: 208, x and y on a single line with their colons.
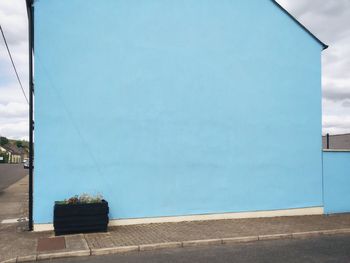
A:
x: 175, y: 107
x: 336, y: 173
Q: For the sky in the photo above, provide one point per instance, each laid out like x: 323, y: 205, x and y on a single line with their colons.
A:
x: 328, y: 20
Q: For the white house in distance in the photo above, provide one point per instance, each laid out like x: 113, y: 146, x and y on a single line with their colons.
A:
x: 10, y: 154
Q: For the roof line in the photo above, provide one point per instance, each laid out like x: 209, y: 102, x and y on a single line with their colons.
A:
x: 341, y: 134
x: 30, y: 2
x: 300, y: 24
x: 29, y: 5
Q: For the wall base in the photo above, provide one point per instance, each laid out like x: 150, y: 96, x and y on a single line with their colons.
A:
x: 173, y: 219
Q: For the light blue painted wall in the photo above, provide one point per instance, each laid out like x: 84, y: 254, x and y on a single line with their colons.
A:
x: 336, y: 173
x: 175, y: 107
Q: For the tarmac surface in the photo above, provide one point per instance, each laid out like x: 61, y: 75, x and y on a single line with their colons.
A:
x: 320, y: 249
x: 11, y: 173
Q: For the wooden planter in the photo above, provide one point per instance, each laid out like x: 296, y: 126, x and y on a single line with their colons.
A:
x: 80, y: 218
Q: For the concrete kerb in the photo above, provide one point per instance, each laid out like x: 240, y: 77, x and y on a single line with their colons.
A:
x: 231, y: 240
x: 65, y: 254
x: 29, y: 258
x: 113, y: 250
x: 12, y: 260
x: 204, y: 242
x: 165, y: 245
x: 160, y: 246
x: 274, y: 237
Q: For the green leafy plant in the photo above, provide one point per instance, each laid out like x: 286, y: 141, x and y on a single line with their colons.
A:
x: 19, y: 144
x: 3, y: 141
x: 82, y: 199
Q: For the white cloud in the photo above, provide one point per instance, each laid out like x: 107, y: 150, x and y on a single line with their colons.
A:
x: 11, y: 93
x: 14, y: 21
x: 15, y: 130
x: 13, y: 110
x: 330, y: 21
x: 13, y: 106
x: 336, y: 124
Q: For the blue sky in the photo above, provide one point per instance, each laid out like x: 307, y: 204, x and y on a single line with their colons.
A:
x: 329, y: 20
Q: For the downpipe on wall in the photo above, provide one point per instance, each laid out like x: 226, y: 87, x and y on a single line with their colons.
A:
x: 29, y: 4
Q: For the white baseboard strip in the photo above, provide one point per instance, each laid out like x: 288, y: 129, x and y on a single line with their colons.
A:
x: 174, y: 219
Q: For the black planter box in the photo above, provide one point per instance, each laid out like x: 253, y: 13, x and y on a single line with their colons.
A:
x: 80, y: 218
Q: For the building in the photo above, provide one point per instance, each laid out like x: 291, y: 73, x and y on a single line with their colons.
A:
x: 337, y: 142
x: 11, y: 153
x: 176, y: 110
x: 4, y: 155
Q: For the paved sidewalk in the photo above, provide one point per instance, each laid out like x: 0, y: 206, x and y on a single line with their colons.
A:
x: 175, y: 235
x: 19, y: 245
x: 15, y: 240
x: 216, y: 229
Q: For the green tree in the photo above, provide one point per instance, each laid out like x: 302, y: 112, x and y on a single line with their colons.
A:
x: 3, y: 141
x: 19, y: 144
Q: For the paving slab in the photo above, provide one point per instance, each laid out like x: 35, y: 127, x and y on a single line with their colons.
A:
x: 51, y: 243
x: 76, y: 242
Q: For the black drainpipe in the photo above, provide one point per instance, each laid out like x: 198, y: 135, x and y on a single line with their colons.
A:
x: 327, y: 138
x: 31, y: 117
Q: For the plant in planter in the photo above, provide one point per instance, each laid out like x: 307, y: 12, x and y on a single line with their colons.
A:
x: 81, y: 214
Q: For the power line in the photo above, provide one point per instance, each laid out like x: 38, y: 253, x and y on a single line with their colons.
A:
x: 13, y: 64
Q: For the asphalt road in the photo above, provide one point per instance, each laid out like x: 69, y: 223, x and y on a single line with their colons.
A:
x: 11, y: 173
x: 320, y: 250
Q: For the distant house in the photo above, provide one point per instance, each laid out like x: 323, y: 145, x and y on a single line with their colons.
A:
x: 3, y: 155
x: 12, y: 154
x: 339, y: 142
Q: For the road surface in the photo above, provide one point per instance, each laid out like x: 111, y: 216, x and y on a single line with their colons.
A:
x: 320, y: 250
x: 11, y: 173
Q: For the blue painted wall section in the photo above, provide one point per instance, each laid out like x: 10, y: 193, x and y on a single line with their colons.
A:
x: 176, y: 107
x: 336, y: 172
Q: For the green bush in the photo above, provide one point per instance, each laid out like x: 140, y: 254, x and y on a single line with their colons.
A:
x: 3, y: 141
x: 82, y: 199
